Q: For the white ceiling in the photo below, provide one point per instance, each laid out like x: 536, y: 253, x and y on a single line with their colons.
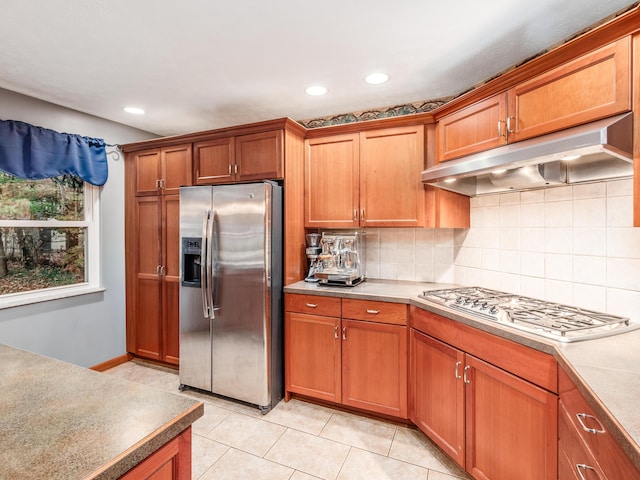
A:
x: 201, y: 64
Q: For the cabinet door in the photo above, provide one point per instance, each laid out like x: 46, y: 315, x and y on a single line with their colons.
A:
x: 148, y: 171
x: 176, y: 168
x: 312, y: 356
x: 213, y: 161
x: 331, y: 190
x: 259, y: 156
x: 391, y: 193
x: 374, y: 367
x: 476, y: 128
x: 594, y: 86
x: 171, y: 278
x: 511, y: 426
x: 436, y: 393
x: 148, y: 295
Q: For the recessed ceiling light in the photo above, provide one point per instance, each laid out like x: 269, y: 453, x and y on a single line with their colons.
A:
x: 316, y: 90
x: 134, y: 110
x: 376, y: 78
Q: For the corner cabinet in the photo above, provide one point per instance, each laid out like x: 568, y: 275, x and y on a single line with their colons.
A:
x: 478, y: 396
x: 349, y: 352
x: 366, y: 179
x: 593, y: 86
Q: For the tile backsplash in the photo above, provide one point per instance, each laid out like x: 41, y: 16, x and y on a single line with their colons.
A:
x: 571, y: 244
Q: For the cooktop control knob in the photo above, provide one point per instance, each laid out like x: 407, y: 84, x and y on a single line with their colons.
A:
x: 493, y: 310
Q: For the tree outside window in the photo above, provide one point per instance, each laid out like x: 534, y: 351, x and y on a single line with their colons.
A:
x: 44, y: 229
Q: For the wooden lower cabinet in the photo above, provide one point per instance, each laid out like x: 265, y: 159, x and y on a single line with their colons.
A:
x: 312, y: 356
x: 170, y: 462
x: 586, y: 449
x: 352, y: 362
x: 511, y: 429
x: 494, y: 424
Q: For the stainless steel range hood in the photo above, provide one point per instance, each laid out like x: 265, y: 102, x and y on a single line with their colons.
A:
x: 604, y: 147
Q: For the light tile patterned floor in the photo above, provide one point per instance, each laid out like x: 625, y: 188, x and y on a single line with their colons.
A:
x: 297, y: 440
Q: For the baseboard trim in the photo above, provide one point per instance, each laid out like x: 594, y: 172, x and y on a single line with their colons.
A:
x: 114, y: 362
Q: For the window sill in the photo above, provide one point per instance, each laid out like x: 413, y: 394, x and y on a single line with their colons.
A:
x: 19, y: 299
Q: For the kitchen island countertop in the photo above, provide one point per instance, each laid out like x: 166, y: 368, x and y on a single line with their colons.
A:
x: 62, y: 421
x: 606, y: 370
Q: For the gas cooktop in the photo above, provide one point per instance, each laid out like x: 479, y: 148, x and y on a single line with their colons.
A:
x: 563, y: 323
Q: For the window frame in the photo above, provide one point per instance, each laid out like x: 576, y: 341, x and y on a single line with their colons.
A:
x: 93, y: 281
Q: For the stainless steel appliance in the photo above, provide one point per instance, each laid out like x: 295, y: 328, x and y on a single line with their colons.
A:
x: 551, y: 320
x: 231, y: 319
x: 595, y: 151
x: 312, y: 251
x: 341, y: 259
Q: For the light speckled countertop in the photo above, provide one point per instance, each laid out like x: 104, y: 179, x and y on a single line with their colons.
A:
x: 62, y: 421
x: 606, y: 370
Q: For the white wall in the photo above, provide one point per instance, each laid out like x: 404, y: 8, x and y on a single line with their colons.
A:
x: 572, y: 244
x: 89, y: 329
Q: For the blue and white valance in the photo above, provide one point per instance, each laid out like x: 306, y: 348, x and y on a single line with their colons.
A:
x: 33, y: 153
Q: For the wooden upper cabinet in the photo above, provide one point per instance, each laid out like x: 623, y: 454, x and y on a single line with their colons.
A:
x: 594, y: 86
x: 213, y: 161
x: 259, y: 156
x: 366, y: 179
x: 162, y: 171
x: 391, y: 193
x: 331, y: 189
x: 148, y: 171
x: 244, y: 158
x: 479, y: 127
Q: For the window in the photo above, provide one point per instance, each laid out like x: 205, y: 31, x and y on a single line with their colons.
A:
x: 48, y: 238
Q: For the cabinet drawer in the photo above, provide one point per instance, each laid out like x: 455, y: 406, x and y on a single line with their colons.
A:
x: 312, y: 304
x: 573, y: 454
x: 372, y: 311
x: 608, y: 454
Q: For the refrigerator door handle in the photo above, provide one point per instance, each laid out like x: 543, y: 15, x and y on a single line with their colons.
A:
x: 204, y: 261
x: 210, y: 260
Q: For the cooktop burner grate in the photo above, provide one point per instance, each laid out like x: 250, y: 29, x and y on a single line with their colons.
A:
x: 561, y: 322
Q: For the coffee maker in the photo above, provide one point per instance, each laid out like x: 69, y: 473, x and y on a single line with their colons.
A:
x: 312, y: 251
x: 341, y: 259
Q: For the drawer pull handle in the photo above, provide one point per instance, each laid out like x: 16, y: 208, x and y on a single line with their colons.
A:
x: 373, y: 312
x: 344, y: 333
x: 312, y: 305
x: 458, y: 376
x: 335, y: 332
x: 464, y: 374
x: 581, y: 466
x: 595, y: 431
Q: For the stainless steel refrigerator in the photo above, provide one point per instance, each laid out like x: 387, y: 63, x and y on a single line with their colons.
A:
x: 231, y: 314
